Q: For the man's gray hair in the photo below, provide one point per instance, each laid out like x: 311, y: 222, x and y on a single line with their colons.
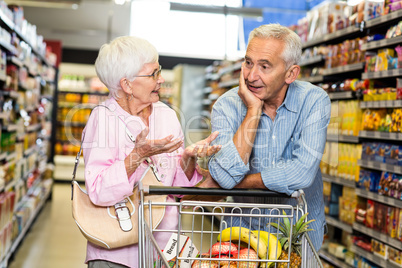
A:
x: 293, y: 47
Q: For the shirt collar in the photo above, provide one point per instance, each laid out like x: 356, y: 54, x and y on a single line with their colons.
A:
x: 293, y: 100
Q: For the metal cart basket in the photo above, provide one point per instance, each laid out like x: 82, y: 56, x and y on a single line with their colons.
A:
x: 203, y: 237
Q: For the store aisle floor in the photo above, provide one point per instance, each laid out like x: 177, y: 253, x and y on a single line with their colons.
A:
x: 54, y: 240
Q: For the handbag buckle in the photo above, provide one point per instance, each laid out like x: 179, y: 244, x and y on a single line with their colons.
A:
x: 123, y: 215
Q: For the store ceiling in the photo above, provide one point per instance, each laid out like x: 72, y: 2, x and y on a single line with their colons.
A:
x: 92, y: 24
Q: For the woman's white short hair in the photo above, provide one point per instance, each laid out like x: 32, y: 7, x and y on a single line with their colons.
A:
x: 293, y: 47
x: 123, y: 57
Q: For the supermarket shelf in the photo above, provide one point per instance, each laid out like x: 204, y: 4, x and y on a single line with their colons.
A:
x: 338, y: 180
x: 370, y: 256
x: 83, y: 91
x: 10, y: 93
x: 381, y: 104
x: 377, y: 235
x: 313, y: 79
x: 206, y: 102
x: 234, y: 67
x: 207, y: 90
x: 328, y: 37
x: 213, y: 96
x: 337, y: 223
x: 34, y: 127
x: 382, y: 74
x: 396, y: 15
x: 379, y: 198
x: 18, y: 240
x: 325, y: 255
x: 11, y: 156
x: 380, y: 166
x: 312, y: 60
x: 342, y: 95
x: 380, y: 135
x: 344, y: 69
x: 8, y: 46
x: 10, y: 127
x: 343, y: 138
x: 30, y: 150
x: 382, y: 43
x: 229, y: 83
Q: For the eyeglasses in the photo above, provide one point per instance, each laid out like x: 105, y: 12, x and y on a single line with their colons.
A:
x: 155, y: 74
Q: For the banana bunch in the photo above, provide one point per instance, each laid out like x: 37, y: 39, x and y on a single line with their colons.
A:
x: 265, y: 244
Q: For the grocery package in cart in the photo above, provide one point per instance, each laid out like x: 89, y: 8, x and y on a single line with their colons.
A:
x: 226, y: 234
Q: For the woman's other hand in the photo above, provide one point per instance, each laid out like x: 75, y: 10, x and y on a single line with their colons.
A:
x: 202, y: 148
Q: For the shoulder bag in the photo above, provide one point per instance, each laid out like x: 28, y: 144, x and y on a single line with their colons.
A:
x: 115, y: 226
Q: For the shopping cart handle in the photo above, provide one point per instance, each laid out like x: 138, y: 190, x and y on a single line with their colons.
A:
x: 162, y: 190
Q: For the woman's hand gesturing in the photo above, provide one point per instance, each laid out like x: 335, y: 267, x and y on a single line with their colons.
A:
x: 145, y: 148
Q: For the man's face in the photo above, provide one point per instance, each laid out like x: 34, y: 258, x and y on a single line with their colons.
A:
x: 264, y: 71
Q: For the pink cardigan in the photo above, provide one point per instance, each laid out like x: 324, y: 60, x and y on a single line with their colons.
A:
x: 105, y: 147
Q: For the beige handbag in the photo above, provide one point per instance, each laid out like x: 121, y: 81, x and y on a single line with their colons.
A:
x: 115, y: 226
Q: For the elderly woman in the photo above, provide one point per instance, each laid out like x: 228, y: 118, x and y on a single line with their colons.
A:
x: 129, y: 67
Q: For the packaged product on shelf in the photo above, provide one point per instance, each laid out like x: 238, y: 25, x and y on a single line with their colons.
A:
x: 327, y: 195
x: 396, y: 120
x: 399, y: 225
x: 324, y: 164
x: 392, y: 220
x: 395, y: 256
x: 357, y: 14
x: 373, y: 9
x: 370, y: 59
x: 380, y: 217
x: 399, y: 88
x: 370, y: 214
x: 369, y: 180
x: 379, y: 248
x: 382, y: 59
x: 361, y: 211
x: 392, y: 6
x: 347, y: 205
x: 379, y: 153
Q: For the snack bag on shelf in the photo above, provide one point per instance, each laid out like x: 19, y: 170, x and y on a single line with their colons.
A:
x: 380, y: 217
x: 396, y: 120
x: 399, y: 225
x: 382, y: 59
x: 392, y: 213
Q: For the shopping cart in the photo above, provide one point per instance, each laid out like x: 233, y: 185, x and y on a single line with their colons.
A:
x: 200, y: 227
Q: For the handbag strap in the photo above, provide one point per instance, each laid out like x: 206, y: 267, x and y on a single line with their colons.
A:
x: 129, y: 134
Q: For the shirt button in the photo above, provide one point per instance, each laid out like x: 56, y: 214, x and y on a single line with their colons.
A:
x: 163, y: 175
x: 273, y: 137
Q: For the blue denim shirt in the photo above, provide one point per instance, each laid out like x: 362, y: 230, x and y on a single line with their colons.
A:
x: 287, y: 151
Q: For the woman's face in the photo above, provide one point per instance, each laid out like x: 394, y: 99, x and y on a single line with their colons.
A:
x: 145, y: 87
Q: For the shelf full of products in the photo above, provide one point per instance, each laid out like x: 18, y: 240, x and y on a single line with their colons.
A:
x: 27, y: 87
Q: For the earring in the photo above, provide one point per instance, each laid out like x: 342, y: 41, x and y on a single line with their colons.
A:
x: 130, y: 97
